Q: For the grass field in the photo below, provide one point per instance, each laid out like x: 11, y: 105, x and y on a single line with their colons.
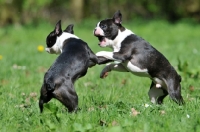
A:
x: 118, y: 103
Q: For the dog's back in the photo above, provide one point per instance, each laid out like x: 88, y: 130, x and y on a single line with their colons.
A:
x: 72, y: 62
x: 59, y: 80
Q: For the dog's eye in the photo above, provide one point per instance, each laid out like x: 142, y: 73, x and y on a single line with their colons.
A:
x: 103, y: 26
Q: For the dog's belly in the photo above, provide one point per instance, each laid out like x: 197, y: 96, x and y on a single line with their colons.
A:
x: 136, y: 70
x: 143, y: 73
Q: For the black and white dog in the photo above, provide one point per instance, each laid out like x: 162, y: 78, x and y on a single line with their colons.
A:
x: 133, y: 54
x: 72, y: 63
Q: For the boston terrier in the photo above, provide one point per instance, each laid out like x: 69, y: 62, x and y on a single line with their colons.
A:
x: 72, y: 63
x: 132, y: 53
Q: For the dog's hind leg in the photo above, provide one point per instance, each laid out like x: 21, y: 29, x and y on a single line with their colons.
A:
x: 112, y: 67
x: 66, y: 94
x: 45, y: 97
x: 174, y: 90
x: 156, y: 95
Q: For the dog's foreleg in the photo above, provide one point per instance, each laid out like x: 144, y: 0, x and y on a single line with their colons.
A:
x: 91, y: 63
x: 103, y: 60
x: 105, y: 57
x: 93, y: 58
x: 112, y: 67
x: 106, y: 54
x: 45, y: 97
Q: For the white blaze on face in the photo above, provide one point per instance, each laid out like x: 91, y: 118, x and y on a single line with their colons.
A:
x: 98, y: 31
x: 57, y: 47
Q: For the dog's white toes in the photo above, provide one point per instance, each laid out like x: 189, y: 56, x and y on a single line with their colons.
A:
x: 158, y: 86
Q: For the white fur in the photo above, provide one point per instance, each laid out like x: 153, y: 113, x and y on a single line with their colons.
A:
x: 136, y: 70
x: 57, y: 47
x: 116, y: 67
x: 159, y: 82
x: 98, y: 30
x: 158, y: 86
x: 154, y: 93
x: 107, y: 54
x: 128, y: 65
x: 116, y: 44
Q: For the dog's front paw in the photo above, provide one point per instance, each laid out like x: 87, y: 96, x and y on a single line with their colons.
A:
x: 101, y: 53
x: 103, y: 75
x: 106, y: 54
x: 104, y: 72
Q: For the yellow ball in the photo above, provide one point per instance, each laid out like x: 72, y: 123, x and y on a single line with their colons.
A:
x: 40, y: 48
x: 1, y: 57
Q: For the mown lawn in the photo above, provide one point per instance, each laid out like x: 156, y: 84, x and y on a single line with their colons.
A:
x: 118, y: 103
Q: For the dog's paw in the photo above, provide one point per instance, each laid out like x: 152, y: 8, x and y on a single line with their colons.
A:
x: 101, y: 53
x: 158, y: 85
x: 106, y: 54
x: 104, y: 75
x: 104, y: 72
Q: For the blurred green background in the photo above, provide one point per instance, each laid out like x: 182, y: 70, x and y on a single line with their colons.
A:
x: 116, y: 103
x: 35, y: 11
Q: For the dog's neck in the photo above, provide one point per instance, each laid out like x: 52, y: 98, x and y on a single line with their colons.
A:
x: 116, y: 43
x: 60, y: 40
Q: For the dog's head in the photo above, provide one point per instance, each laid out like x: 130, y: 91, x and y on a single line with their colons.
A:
x: 55, y: 39
x: 107, y: 30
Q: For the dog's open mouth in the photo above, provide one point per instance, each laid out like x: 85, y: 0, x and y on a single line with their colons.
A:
x: 102, y: 40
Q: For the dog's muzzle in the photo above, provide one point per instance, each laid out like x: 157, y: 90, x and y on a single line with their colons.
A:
x: 52, y: 51
x: 98, y: 32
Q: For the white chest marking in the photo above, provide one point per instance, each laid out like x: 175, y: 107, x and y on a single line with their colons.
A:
x: 120, y: 37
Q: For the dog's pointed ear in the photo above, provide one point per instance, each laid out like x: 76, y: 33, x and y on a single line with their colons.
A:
x: 117, y: 18
x: 58, y: 29
x: 69, y: 29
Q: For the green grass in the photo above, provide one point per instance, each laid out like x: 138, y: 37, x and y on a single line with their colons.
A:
x: 114, y: 104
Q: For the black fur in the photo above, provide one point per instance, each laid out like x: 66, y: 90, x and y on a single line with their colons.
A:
x: 70, y: 65
x: 140, y: 53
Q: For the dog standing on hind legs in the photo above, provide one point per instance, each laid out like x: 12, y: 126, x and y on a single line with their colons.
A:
x: 133, y: 54
x: 72, y: 63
